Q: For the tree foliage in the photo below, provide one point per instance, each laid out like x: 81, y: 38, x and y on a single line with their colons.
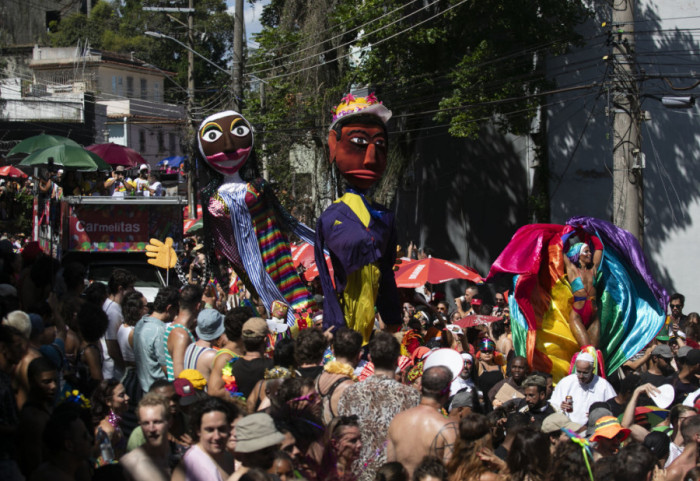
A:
x: 458, y: 63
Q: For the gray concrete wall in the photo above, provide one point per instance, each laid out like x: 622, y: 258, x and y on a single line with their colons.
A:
x: 580, y: 139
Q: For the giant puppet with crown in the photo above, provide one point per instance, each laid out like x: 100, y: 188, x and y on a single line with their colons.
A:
x: 358, y: 234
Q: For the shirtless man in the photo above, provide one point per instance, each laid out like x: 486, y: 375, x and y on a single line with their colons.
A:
x: 424, y: 430
x: 149, y: 462
x: 691, y: 454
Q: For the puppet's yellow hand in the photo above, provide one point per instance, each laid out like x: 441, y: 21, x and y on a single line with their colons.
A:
x: 161, y: 254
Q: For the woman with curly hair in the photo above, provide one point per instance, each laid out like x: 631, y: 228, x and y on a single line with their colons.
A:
x: 473, y: 458
x: 109, y: 402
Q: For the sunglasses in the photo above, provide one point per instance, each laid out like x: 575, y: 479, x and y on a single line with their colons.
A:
x: 311, y: 397
x: 679, y: 306
x: 487, y: 351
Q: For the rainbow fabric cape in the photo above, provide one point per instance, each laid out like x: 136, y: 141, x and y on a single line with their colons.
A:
x: 631, y: 305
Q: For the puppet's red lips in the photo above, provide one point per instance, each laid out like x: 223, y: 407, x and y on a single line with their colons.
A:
x: 363, y: 174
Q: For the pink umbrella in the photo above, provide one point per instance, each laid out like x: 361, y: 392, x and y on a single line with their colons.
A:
x: 434, y: 271
x: 476, y: 320
x: 115, y: 154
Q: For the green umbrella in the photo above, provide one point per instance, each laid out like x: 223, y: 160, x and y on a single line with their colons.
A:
x: 66, y: 156
x: 42, y: 141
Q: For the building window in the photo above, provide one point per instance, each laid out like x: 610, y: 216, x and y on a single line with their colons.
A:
x: 156, y: 92
x: 120, y: 87
x: 161, y: 142
x: 114, y: 84
x: 142, y: 141
x: 130, y: 87
x: 144, y: 89
x: 172, y: 143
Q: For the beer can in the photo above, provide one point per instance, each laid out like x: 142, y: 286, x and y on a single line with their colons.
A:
x: 570, y: 401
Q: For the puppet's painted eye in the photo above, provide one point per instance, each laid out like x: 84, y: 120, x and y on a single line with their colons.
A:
x: 212, y: 135
x: 240, y: 131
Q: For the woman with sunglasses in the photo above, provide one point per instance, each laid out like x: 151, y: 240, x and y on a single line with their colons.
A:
x: 489, y: 373
x: 342, y: 445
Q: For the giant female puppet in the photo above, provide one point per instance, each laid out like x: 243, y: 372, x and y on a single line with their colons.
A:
x: 243, y: 220
x: 358, y: 233
x: 585, y: 283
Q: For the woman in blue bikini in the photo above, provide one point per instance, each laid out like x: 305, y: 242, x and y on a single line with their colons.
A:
x: 581, y: 270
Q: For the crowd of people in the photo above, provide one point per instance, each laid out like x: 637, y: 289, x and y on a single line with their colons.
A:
x: 98, y: 383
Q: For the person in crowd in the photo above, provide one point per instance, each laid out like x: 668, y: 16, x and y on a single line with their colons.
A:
x: 250, y: 368
x: 375, y: 401
x: 473, y: 458
x: 118, y: 185
x: 392, y: 472
x: 676, y: 320
x: 109, y: 402
x: 92, y: 325
x: 342, y: 445
x: 338, y: 375
x: 685, y: 381
x: 515, y: 421
x: 199, y: 355
x: 463, y: 403
x: 608, y: 434
x: 178, y: 334
x: 120, y: 283
x: 690, y: 431
x: 464, y: 306
x: 678, y: 416
x: 141, y: 182
x: 155, y: 186
x: 309, y: 347
x: 659, y: 444
x: 149, y: 348
x: 68, y: 443
x: 134, y: 307
x: 282, y: 466
x: 152, y: 460
x: 635, y: 462
x: 518, y: 372
x: 257, y: 438
x: 430, y: 469
x: 504, y: 344
x: 12, y: 349
x: 233, y: 349
x: 489, y: 373
x: 584, y: 388
x: 535, y: 404
x: 208, y: 458
x: 527, y: 461
x: 569, y: 462
x: 43, y: 386
x: 553, y: 426
x: 424, y: 430
x: 266, y: 388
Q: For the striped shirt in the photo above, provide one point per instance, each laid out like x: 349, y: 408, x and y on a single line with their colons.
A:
x: 168, y: 355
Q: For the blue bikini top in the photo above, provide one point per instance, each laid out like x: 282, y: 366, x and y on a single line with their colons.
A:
x: 577, y: 285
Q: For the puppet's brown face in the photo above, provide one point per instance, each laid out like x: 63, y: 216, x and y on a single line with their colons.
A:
x: 226, y: 143
x: 360, y: 154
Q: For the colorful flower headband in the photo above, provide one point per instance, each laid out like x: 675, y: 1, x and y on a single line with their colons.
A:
x: 351, y: 105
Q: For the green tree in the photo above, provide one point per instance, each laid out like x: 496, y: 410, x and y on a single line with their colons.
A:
x: 463, y: 63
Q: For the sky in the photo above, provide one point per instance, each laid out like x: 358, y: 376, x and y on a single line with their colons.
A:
x: 251, y: 14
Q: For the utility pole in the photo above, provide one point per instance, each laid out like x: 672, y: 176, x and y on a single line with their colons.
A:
x: 189, y: 127
x: 628, y: 164
x: 237, y: 74
x: 191, y: 171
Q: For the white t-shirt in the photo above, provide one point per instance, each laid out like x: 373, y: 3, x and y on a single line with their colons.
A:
x: 123, y: 340
x: 157, y: 189
x: 108, y: 370
x: 114, y: 314
x: 142, y: 187
x: 582, y: 395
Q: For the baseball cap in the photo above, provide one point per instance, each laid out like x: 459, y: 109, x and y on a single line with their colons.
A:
x: 684, y: 350
x: 255, y: 327
x: 120, y: 168
x: 557, y: 421
x: 463, y: 399
x: 609, y: 427
x: 256, y: 432
x: 143, y: 167
x: 210, y: 324
x: 662, y: 350
x: 693, y: 357
x: 186, y: 391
